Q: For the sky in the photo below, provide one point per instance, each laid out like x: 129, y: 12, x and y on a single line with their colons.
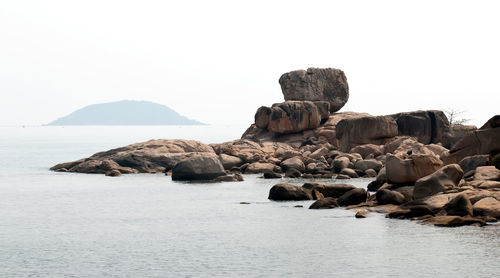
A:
x: 219, y: 61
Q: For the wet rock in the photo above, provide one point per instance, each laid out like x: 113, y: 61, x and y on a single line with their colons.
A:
x: 316, y: 84
x: 289, y: 192
x: 385, y: 196
x: 460, y: 206
x: 293, y: 173
x: 272, y: 175
x: 353, y: 197
x: 444, y: 179
x: 325, y: 203
x: 200, y: 167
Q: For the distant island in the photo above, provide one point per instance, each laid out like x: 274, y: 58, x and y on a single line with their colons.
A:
x: 125, y: 112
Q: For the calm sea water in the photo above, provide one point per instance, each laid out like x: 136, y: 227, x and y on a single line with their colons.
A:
x: 146, y: 225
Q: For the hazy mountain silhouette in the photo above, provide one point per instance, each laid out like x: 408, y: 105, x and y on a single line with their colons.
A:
x: 125, y: 112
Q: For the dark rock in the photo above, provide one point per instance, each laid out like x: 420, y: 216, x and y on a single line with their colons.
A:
x: 272, y: 175
x: 460, y: 206
x: 365, y: 130
x: 236, y: 177
x: 113, y: 173
x: 353, y: 197
x: 385, y: 196
x: 330, y: 190
x: 340, y: 163
x: 316, y: 84
x: 427, y: 126
x: 342, y: 177
x: 325, y: 203
x: 361, y: 214
x: 289, y: 192
x: 470, y: 163
x: 454, y: 221
x: 370, y: 173
x: 200, y: 167
x: 349, y: 172
x: 293, y: 173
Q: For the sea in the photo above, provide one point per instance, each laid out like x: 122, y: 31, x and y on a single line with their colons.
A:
x: 146, y: 225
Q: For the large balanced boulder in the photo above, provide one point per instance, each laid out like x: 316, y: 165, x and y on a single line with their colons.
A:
x: 411, y: 168
x: 289, y: 192
x: 200, y: 167
x: 288, y: 117
x: 365, y: 130
x: 324, y: 84
x: 444, y: 179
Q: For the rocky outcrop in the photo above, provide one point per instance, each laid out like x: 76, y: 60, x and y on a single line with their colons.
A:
x: 428, y: 127
x: 444, y: 179
x: 200, y: 167
x: 365, y: 130
x: 316, y: 84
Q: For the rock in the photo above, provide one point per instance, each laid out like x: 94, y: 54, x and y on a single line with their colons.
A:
x: 427, y: 126
x: 411, y: 209
x: 294, y: 162
x: 493, y: 122
x: 349, y: 172
x: 330, y: 190
x: 453, y: 221
x: 288, y: 192
x: 360, y: 214
x: 470, y: 163
x: 460, y: 206
x: 201, y: 167
x: 366, y: 164
x: 154, y: 156
x: 320, y: 152
x: 489, y: 184
x: 487, y: 173
x: 353, y: 197
x: 385, y: 196
x: 401, y: 170
x: 482, y: 141
x: 288, y: 117
x: 444, y: 179
x: 260, y: 167
x: 342, y: 177
x: 316, y: 84
x: 365, y: 130
x: 370, y: 173
x: 293, y: 173
x: 113, y: 173
x: 229, y: 161
x: 272, y: 175
x: 340, y: 163
x: 495, y: 161
x: 368, y: 149
x: 325, y: 203
x: 437, y: 149
x: 234, y: 178
x: 487, y: 207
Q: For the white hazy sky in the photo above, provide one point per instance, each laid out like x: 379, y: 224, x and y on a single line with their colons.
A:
x: 218, y: 61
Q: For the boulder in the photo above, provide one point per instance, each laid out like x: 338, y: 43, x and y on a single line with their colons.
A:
x: 444, y: 179
x: 366, y: 164
x: 201, y: 167
x: 353, y: 197
x: 260, y: 167
x: 294, y: 162
x: 288, y: 117
x: 289, y: 192
x: 293, y: 173
x: 410, y: 169
x: 229, y: 161
x: 482, y: 141
x: 113, y: 173
x: 385, y: 196
x: 272, y: 175
x: 460, y: 206
x: 453, y: 221
x: 368, y: 149
x: 320, y: 152
x: 365, y: 130
x: 370, y: 173
x: 349, y: 172
x: 330, y: 190
x: 427, y: 126
x: 316, y: 84
x: 488, y: 206
x: 340, y: 163
x: 361, y: 214
x: 234, y: 178
x: 487, y: 173
x: 325, y: 203
x: 470, y: 163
